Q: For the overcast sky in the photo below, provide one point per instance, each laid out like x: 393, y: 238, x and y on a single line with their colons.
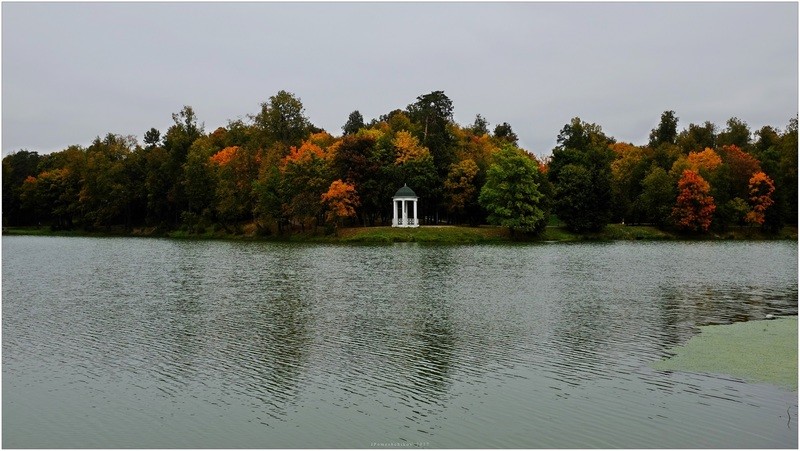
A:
x: 73, y: 71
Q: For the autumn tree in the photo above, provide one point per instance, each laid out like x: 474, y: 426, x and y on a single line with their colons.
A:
x: 694, y: 207
x: 761, y: 190
x: 709, y: 166
x: 232, y: 169
x: 371, y: 168
x: 461, y: 192
x: 52, y: 197
x: 511, y: 194
x: 408, y: 148
x: 705, y: 161
x: 305, y: 177
x: 478, y: 148
x: 277, y: 166
x: 340, y: 202
x: 229, y: 202
x: 740, y: 166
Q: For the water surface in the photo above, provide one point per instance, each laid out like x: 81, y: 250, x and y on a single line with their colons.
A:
x: 146, y: 343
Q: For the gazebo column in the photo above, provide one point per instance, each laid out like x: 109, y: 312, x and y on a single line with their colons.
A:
x: 401, y: 214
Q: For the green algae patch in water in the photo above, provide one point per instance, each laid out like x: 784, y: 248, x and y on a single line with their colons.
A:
x: 756, y: 351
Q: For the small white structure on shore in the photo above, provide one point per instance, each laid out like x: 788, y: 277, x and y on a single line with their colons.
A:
x: 401, y: 200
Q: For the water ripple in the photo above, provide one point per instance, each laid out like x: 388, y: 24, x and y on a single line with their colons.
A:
x: 319, y: 346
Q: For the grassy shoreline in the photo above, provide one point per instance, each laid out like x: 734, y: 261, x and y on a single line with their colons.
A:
x: 756, y: 351
x: 431, y: 234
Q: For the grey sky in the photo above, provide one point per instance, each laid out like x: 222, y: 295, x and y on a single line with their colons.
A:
x: 73, y: 71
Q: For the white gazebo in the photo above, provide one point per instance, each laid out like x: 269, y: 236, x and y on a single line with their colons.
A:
x: 402, y: 198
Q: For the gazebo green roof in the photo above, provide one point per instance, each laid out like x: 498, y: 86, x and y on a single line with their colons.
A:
x: 405, y: 191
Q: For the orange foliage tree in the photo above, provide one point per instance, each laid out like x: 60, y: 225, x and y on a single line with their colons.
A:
x: 234, y: 170
x: 224, y: 156
x: 305, y: 174
x: 761, y: 189
x: 303, y: 154
x: 340, y: 201
x: 707, y: 159
x: 694, y: 206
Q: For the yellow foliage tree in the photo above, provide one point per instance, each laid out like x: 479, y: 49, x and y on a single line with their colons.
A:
x: 322, y: 139
x: 460, y: 187
x: 707, y: 160
x: 407, y: 148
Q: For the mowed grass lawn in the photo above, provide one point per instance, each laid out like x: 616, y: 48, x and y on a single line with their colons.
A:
x: 424, y: 234
x: 431, y: 234
x: 490, y: 234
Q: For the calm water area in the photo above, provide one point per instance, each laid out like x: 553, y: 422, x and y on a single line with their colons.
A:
x: 157, y: 343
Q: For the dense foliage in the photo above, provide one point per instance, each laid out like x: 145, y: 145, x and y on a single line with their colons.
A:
x: 278, y: 171
x: 511, y: 194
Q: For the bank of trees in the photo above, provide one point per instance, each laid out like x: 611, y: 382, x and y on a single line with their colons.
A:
x: 278, y: 171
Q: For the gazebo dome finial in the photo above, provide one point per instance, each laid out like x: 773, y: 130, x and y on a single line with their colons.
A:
x: 405, y: 191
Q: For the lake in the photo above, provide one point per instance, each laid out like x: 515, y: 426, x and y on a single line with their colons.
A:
x: 157, y: 343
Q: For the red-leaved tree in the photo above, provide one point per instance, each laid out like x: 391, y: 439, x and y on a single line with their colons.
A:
x: 761, y: 189
x: 694, y: 206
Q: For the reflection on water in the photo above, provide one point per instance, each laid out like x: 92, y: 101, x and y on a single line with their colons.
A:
x: 159, y: 343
